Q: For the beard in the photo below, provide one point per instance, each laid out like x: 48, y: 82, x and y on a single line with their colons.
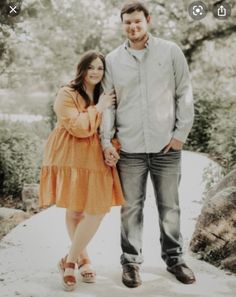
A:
x: 139, y: 39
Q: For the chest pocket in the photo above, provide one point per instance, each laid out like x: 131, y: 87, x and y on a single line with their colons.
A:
x: 161, y: 69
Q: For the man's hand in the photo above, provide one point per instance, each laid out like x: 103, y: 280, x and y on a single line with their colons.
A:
x: 175, y: 144
x: 111, y: 156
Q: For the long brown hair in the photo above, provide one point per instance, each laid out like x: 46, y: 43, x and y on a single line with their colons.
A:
x: 78, y: 83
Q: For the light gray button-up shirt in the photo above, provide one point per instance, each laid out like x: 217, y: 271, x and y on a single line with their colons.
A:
x: 153, y: 94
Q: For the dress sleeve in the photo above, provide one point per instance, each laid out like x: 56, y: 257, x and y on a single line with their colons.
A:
x: 79, y: 124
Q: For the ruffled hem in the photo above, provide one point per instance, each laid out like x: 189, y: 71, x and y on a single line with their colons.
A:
x: 80, y: 189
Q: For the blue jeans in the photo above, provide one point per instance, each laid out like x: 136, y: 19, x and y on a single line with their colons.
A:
x: 165, y: 172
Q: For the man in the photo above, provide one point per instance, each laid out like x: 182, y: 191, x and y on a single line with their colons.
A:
x: 153, y: 116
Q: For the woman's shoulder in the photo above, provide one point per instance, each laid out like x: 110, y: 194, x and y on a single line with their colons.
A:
x: 68, y: 96
x: 67, y: 89
x: 67, y: 92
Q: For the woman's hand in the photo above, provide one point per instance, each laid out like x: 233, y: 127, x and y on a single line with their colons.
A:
x: 106, y: 100
x: 111, y: 156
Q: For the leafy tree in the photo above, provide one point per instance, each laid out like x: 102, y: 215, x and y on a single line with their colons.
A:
x: 40, y: 48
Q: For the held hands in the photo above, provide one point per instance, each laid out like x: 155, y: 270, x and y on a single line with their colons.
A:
x: 111, y: 156
x: 175, y: 144
x: 106, y: 100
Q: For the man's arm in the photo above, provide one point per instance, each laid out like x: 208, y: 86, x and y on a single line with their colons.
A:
x: 183, y: 95
x: 107, y: 127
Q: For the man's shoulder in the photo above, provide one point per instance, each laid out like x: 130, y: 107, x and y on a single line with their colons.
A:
x: 167, y: 47
x: 164, y: 42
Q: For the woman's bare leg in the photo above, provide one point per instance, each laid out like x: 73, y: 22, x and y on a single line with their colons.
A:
x: 73, y: 218
x: 83, y: 233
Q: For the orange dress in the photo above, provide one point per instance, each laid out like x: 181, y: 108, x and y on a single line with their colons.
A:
x: 74, y: 174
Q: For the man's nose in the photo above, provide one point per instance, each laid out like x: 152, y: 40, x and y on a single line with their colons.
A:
x: 132, y: 26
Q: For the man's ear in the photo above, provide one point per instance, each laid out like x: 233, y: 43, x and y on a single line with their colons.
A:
x: 148, y: 19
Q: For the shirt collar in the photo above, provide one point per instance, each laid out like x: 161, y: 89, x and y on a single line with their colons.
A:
x: 147, y: 44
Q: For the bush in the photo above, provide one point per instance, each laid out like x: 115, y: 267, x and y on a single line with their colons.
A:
x: 20, y: 156
x: 223, y: 137
x: 51, y: 116
x: 213, y: 131
x: 205, y: 116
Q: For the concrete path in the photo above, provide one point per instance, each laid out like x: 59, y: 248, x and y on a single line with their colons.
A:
x: 29, y: 253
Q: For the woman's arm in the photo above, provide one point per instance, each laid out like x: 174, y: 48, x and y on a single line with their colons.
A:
x: 78, y: 124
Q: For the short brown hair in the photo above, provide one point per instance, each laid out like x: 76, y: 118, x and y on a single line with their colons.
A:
x: 134, y: 6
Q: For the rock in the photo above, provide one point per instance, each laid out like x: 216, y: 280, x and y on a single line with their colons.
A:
x: 229, y: 263
x: 214, y: 238
x: 228, y: 181
x: 6, y: 213
x: 10, y: 219
x: 29, y: 196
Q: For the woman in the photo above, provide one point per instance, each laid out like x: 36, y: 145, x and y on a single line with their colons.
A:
x: 73, y: 174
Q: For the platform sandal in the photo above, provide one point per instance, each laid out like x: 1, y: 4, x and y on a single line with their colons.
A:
x: 88, y: 275
x: 68, y: 281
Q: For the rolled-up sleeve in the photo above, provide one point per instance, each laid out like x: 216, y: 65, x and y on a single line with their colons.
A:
x: 79, y: 124
x: 184, y: 96
x: 107, y: 127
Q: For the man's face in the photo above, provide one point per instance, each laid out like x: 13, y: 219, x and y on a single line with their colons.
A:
x: 135, y: 25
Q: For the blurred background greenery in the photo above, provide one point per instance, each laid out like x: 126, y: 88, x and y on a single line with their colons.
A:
x: 39, y: 51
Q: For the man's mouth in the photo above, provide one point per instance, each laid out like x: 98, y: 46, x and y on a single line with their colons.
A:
x: 134, y: 32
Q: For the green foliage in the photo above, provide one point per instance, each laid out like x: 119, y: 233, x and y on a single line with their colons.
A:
x: 22, y: 101
x: 223, y: 138
x: 214, y: 130
x: 205, y: 115
x: 20, y: 155
x: 52, y: 118
x: 39, y: 50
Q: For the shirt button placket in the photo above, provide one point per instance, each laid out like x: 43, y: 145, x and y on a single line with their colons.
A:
x: 143, y: 85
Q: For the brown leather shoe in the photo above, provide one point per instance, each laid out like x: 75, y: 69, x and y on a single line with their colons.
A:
x: 131, y: 277
x: 183, y: 273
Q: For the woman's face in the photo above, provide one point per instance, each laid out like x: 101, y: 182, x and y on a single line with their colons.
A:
x: 95, y: 72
